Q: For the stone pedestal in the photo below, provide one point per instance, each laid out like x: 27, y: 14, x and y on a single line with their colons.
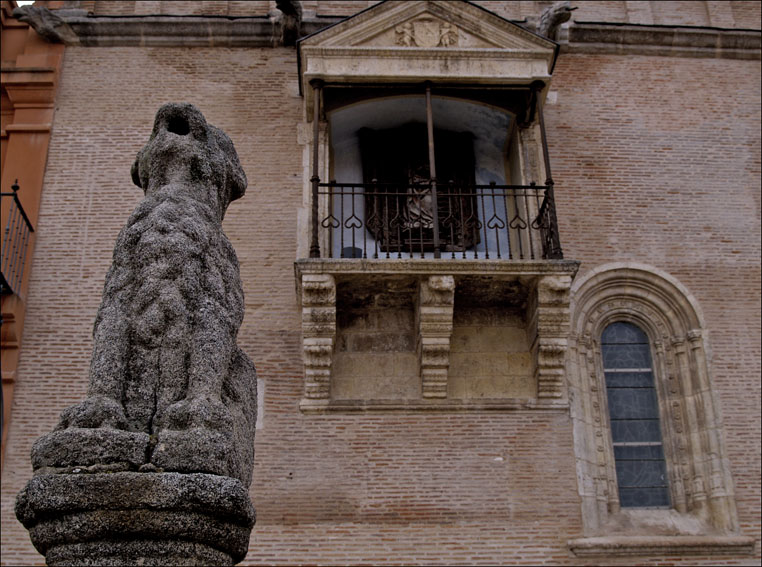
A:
x: 137, y: 518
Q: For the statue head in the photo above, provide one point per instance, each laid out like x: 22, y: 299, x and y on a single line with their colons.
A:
x: 184, y: 150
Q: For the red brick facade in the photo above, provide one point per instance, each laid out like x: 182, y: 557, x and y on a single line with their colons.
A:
x: 656, y: 159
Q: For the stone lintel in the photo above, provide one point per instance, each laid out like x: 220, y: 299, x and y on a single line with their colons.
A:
x: 345, y: 267
x: 395, y: 65
x: 434, y: 404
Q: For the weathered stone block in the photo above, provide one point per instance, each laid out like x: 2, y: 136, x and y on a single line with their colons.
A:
x: 381, y: 342
x: 491, y: 387
x: 375, y: 376
x: 489, y: 339
x: 79, y: 447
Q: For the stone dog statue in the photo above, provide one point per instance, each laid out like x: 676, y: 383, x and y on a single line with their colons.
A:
x: 169, y: 388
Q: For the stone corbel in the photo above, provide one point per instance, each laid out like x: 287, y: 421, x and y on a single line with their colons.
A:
x: 319, y: 335
x: 552, y: 328
x: 435, y: 312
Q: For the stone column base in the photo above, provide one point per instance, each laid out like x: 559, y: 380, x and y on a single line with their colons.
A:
x: 137, y: 518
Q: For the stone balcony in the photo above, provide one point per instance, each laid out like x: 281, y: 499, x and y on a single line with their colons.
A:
x: 402, y: 312
x: 422, y: 333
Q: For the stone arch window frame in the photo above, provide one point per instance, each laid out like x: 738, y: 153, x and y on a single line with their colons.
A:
x: 699, y: 476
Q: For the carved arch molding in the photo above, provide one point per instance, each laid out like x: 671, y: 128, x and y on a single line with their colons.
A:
x: 699, y: 476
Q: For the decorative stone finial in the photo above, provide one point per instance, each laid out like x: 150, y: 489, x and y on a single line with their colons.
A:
x: 155, y: 464
x: 552, y: 18
x: 46, y: 23
x: 290, y: 21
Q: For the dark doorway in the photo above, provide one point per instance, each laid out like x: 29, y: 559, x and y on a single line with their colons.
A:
x: 399, y: 207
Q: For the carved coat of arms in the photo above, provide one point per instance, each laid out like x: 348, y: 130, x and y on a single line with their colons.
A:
x: 426, y: 32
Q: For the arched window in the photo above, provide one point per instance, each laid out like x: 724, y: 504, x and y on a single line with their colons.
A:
x: 633, y: 402
x: 647, y: 436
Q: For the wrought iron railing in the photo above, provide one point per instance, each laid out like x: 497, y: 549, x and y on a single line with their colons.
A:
x: 383, y: 220
x: 16, y: 237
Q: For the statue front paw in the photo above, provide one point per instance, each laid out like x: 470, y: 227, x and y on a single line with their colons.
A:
x: 197, y: 412
x: 94, y: 412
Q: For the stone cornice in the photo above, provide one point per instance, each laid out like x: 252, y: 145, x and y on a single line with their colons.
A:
x: 676, y: 41
x: 223, y: 31
x: 172, y: 31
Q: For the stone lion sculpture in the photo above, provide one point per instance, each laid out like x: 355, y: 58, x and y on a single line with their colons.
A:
x: 170, y: 390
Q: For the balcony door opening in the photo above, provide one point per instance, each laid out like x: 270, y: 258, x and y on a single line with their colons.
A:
x: 380, y: 162
x: 399, y: 205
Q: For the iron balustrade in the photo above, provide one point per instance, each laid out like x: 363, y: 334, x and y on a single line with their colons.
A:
x: 387, y: 220
x: 16, y: 237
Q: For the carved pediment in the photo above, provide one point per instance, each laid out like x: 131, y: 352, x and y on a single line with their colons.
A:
x: 426, y: 31
x: 429, y: 24
x: 426, y: 39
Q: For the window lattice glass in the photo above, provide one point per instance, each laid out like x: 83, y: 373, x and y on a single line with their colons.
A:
x: 634, y: 414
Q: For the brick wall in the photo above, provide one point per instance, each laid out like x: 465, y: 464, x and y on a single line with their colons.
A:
x: 667, y: 175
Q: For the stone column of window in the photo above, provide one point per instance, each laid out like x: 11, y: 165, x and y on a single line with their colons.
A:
x: 673, y: 428
x: 721, y: 501
x: 590, y: 440
x: 435, y: 312
x: 696, y: 487
x: 319, y: 334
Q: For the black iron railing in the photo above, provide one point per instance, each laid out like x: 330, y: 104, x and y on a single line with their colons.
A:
x: 383, y: 220
x: 16, y: 237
